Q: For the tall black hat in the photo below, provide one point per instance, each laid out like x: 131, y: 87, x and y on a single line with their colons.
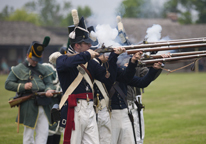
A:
x: 95, y: 42
x: 36, y: 49
x: 78, y: 32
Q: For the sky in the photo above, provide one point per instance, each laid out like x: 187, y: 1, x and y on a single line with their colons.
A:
x: 95, y: 5
x: 104, y: 10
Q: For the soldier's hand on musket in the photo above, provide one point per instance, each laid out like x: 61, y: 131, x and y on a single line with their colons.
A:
x: 49, y: 93
x: 28, y: 86
x: 126, y: 64
x: 119, y: 50
x: 157, y: 65
x: 166, y: 55
x: 136, y: 56
x: 103, y: 58
x: 93, y: 53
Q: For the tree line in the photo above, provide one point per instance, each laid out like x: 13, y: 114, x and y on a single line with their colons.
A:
x: 51, y: 13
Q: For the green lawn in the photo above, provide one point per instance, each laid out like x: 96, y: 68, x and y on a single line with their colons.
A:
x: 175, y: 111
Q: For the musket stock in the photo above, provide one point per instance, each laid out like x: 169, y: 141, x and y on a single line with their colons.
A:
x: 19, y: 100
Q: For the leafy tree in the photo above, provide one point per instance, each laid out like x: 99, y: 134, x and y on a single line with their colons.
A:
x: 51, y: 13
x: 23, y: 15
x: 6, y: 12
x: 85, y: 12
x: 131, y: 8
x: 184, y: 8
x: 139, y: 9
x: 185, y: 18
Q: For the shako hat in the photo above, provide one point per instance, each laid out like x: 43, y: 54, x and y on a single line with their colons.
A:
x: 78, y: 32
x: 36, y: 49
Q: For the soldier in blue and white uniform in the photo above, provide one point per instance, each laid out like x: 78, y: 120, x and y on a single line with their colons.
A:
x: 122, y: 131
x: 77, y: 114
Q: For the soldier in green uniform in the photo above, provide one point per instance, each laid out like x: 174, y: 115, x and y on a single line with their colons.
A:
x: 26, y: 78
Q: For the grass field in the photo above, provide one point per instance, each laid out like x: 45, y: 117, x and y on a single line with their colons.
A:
x: 175, y: 111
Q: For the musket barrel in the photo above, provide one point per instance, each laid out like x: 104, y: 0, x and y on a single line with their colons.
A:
x: 165, y: 48
x: 178, y: 54
x: 150, y: 62
x: 163, y: 44
x: 178, y: 40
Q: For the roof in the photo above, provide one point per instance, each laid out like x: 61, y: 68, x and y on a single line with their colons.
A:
x: 23, y: 33
x: 136, y: 29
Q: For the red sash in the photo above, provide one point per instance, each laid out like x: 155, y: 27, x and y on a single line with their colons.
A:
x: 70, y: 125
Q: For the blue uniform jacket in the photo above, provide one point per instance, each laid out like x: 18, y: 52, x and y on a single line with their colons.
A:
x: 67, y: 72
x: 140, y: 82
x: 125, y: 75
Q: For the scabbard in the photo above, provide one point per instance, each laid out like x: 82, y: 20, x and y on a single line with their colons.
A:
x: 139, y: 107
x: 140, y: 123
x: 132, y: 122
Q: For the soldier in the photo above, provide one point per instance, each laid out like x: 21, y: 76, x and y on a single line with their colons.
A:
x: 101, y: 98
x: 26, y: 78
x: 122, y: 120
x: 54, y: 130
x: 77, y: 114
x: 134, y: 98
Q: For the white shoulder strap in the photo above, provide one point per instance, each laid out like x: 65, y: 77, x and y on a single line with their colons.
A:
x: 74, y: 84
x: 70, y: 89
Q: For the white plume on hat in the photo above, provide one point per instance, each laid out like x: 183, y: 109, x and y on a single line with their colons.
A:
x: 76, y: 22
x: 75, y: 17
x: 53, y: 57
x: 119, y: 24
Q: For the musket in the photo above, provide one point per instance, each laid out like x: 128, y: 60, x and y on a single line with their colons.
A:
x: 164, y: 44
x: 178, y: 40
x: 132, y: 49
x: 165, y: 48
x: 152, y: 61
x: 20, y: 99
x: 153, y: 56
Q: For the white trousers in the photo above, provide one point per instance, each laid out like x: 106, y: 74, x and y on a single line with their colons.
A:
x: 122, y: 132
x: 42, y: 130
x: 133, y: 108
x: 86, y: 131
x: 104, y: 126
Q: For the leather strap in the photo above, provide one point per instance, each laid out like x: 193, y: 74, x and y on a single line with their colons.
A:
x: 86, y: 70
x: 121, y: 93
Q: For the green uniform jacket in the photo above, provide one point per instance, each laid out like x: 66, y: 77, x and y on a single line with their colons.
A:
x: 16, y: 80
